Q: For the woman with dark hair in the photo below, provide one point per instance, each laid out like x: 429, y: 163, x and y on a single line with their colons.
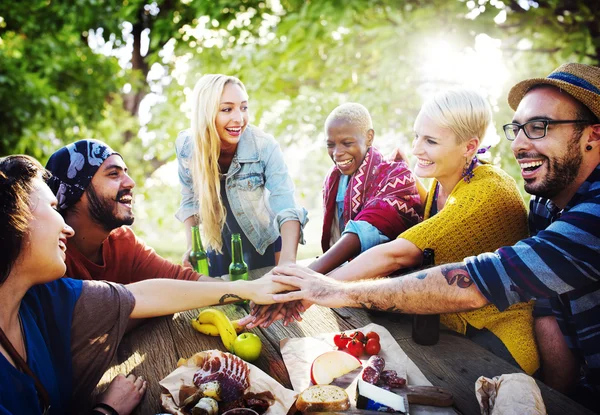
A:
x: 58, y: 335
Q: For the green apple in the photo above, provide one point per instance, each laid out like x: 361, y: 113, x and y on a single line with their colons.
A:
x: 247, y: 346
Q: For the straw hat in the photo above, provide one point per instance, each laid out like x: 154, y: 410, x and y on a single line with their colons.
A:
x: 580, y: 81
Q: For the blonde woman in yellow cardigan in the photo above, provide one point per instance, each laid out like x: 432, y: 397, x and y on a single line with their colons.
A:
x: 470, y: 208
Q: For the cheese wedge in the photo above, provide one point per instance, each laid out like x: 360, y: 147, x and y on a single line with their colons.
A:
x: 374, y: 398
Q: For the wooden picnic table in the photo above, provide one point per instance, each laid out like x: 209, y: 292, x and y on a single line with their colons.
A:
x: 152, y: 350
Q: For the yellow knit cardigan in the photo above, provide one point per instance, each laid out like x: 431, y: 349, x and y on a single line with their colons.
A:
x: 481, y: 216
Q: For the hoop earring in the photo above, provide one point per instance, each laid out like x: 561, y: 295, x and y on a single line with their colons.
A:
x: 467, y: 173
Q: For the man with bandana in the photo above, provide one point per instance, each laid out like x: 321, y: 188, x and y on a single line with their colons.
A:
x: 95, y: 196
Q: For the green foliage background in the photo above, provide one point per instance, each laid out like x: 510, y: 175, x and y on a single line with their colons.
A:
x: 119, y: 71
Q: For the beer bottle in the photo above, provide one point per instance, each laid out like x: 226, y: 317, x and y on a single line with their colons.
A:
x: 197, y: 254
x: 238, y: 270
x: 426, y: 328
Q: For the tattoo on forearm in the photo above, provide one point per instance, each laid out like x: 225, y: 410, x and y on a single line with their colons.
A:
x: 421, y: 275
x: 460, y: 276
x: 228, y: 296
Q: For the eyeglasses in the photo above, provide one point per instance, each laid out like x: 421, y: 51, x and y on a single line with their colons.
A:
x: 536, y: 129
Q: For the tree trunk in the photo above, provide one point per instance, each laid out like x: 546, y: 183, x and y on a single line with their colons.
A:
x: 139, y: 87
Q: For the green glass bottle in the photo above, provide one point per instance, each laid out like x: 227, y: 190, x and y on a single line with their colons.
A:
x: 238, y: 270
x: 198, y: 257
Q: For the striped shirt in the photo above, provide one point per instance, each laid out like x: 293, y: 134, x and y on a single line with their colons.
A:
x: 559, y: 262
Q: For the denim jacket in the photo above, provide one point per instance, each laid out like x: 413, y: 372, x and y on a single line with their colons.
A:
x: 258, y: 187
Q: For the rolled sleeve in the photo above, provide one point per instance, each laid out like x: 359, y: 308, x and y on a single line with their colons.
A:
x: 368, y: 234
x: 188, y: 205
x: 299, y: 214
x: 489, y: 274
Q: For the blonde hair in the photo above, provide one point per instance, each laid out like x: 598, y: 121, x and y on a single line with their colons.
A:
x: 351, y: 113
x: 206, y: 151
x: 463, y: 111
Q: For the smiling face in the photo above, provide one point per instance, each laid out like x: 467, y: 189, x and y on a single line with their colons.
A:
x: 109, y: 196
x: 46, y: 240
x: 438, y: 153
x: 549, y: 165
x: 232, y: 115
x: 347, y: 145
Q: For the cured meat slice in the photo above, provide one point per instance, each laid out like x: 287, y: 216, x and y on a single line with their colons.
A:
x: 373, y: 369
x: 391, y: 379
x: 229, y: 370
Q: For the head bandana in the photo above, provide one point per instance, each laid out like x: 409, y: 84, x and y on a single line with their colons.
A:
x: 73, y: 167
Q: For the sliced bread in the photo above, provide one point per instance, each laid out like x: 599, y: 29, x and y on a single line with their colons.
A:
x: 321, y: 398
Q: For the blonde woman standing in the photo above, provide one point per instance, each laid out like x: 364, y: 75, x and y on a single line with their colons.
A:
x: 234, y: 179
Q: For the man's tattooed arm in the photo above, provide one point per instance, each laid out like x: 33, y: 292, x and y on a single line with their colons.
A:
x: 459, y: 275
x: 441, y: 289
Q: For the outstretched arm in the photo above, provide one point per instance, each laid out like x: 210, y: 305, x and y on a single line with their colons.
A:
x: 378, y: 261
x: 159, y: 297
x: 347, y: 247
x: 443, y: 289
x: 381, y: 261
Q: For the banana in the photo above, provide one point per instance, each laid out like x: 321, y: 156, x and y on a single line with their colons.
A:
x: 212, y: 330
x: 206, y: 328
x: 222, y: 323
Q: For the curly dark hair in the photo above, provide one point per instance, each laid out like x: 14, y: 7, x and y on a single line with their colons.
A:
x: 17, y: 174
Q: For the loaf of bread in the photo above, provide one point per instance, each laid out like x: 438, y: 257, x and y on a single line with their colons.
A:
x: 322, y: 398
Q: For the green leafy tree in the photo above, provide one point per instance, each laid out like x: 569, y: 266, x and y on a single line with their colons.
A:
x: 119, y: 70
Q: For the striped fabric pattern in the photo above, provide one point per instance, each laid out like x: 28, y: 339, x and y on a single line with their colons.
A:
x: 559, y: 262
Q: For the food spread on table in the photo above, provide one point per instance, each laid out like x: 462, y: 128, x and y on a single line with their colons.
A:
x: 212, y: 382
x: 381, y: 378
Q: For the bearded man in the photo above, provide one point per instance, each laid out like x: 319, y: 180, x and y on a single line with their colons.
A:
x: 95, y: 197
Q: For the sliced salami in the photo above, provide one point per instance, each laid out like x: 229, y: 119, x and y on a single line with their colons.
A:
x: 391, y: 379
x: 372, y: 371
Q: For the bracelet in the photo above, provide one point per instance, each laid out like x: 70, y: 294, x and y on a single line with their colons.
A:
x: 110, y: 409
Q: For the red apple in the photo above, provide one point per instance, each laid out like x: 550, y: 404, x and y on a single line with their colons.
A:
x: 331, y: 365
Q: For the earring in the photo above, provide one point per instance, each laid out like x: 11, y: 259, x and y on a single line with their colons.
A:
x: 467, y: 173
x: 588, y: 147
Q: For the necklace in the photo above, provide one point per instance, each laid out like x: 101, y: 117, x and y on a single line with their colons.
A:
x: 22, y: 337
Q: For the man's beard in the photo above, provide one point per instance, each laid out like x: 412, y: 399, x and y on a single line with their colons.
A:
x: 102, y: 210
x: 562, y: 172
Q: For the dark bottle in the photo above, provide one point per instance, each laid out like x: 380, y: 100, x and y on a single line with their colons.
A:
x: 238, y: 270
x: 426, y: 327
x: 198, y: 257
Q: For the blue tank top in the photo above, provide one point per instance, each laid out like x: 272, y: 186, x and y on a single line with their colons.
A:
x: 46, y: 313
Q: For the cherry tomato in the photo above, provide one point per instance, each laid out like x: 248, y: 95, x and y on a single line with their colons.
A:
x: 372, y: 335
x: 341, y: 340
x: 355, y: 348
x: 358, y: 335
x: 372, y: 347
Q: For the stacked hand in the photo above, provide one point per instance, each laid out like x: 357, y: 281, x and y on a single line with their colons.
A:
x: 263, y: 289
x: 264, y: 316
x: 308, y: 287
